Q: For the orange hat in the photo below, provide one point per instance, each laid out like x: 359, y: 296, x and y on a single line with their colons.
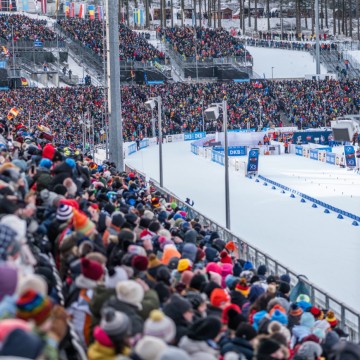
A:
x: 82, y: 223
x: 277, y: 307
x: 230, y: 246
x: 170, y: 251
x: 219, y: 297
x: 331, y: 319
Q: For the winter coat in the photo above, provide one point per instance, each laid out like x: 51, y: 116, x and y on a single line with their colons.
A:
x: 195, y: 348
x: 240, y: 346
x: 61, y: 172
x: 97, y: 351
x: 299, y: 332
x: 130, y: 310
x: 149, y: 303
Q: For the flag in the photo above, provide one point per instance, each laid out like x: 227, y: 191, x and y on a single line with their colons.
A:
x: 43, y: 6
x: 81, y: 14
x: 100, y: 12
x: 67, y: 9
x: 72, y: 10
x: 13, y: 112
x: 56, y: 6
x: 91, y: 10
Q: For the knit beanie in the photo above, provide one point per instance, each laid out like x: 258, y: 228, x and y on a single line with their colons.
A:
x: 160, y: 326
x: 245, y: 331
x: 184, y: 264
x: 33, y: 282
x: 219, y: 297
x: 307, y: 320
x: 45, y: 163
x: 170, y: 251
x: 8, y: 280
x: 64, y: 212
x: 262, y: 270
x: 225, y: 312
x: 150, y: 347
x: 130, y: 292
x: 243, y: 287
x: 225, y: 258
x: 115, y: 323
x: 82, y: 223
x: 32, y: 306
x: 91, y: 269
x: 48, y: 152
x: 186, y: 277
x: 205, y: 329
x: 309, y: 350
x: 331, y: 319
x: 213, y: 267
x: 318, y: 314
x: 139, y: 263
x: 279, y: 316
x: 71, y: 163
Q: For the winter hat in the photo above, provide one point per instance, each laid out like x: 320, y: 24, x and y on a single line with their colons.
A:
x: 205, y: 329
x: 131, y: 292
x: 48, y: 152
x: 246, y: 274
x: 213, y: 267
x: 45, y: 163
x: 139, y: 263
x: 82, y: 223
x: 246, y: 331
x: 267, y: 346
x: 307, y: 320
x: 96, y: 256
x: 318, y: 314
x: 309, y: 350
x: 230, y: 246
x: 177, y: 304
x: 71, y: 163
x: 150, y: 347
x: 8, y: 243
x: 115, y: 275
x: 189, y: 251
x: 173, y: 353
x: 247, y: 265
x: 31, y: 345
x: 225, y: 312
x: 284, y: 287
x: 255, y: 292
x: 8, y: 280
x: 115, y: 323
x: 243, y: 287
x: 170, y: 251
x: 33, y: 306
x: 331, y: 319
x: 295, y: 310
x: 91, y: 269
x: 160, y: 326
x: 262, y: 270
x: 196, y: 299
x: 64, y: 212
x: 136, y: 250
x: 225, y: 258
x: 34, y: 282
x: 173, y: 263
x: 285, y: 278
x: 303, y: 301
x: 215, y: 277
x: 226, y: 269
x: 197, y: 281
x: 279, y: 316
x: 258, y: 316
x: 219, y: 297
x: 186, y: 277
x: 230, y: 280
x: 184, y: 264
x: 331, y: 339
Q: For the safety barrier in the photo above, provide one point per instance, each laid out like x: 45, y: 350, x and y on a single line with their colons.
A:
x: 218, y: 157
x: 349, y: 318
x: 309, y: 198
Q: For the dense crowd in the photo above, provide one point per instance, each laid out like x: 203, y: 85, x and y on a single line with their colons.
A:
x: 291, y: 45
x: 24, y: 28
x: 204, y: 42
x: 292, y: 36
x: 303, y: 103
x: 134, y: 275
x: 90, y: 33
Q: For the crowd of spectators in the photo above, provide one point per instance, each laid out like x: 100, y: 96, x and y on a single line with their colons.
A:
x: 292, y: 36
x: 133, y: 273
x: 204, y: 42
x: 24, y: 28
x: 291, y: 45
x: 90, y: 33
x: 303, y: 103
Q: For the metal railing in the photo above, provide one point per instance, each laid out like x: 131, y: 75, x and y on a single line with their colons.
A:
x: 28, y: 44
x: 349, y: 318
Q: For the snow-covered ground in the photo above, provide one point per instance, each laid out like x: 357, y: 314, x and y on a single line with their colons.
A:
x: 304, y: 238
x: 285, y: 63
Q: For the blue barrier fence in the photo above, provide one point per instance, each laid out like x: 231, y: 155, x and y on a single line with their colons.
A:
x: 144, y: 143
x: 309, y: 198
x: 194, y: 149
x: 331, y: 158
x: 233, y: 150
x: 194, y: 136
x: 218, y: 157
x: 132, y: 148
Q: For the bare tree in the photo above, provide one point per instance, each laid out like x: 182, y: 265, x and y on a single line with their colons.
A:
x: 334, y: 17
x: 219, y: 13
x: 249, y: 14
x: 268, y: 13
x: 256, y: 16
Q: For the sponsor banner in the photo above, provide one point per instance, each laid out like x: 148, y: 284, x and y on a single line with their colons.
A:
x: 217, y: 157
x: 299, y: 150
x: 194, y: 136
x: 253, y: 162
x: 350, y: 156
x: 175, y: 138
x: 314, y: 154
x: 330, y: 158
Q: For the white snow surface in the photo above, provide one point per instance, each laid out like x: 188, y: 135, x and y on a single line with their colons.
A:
x: 286, y: 63
x: 310, y: 242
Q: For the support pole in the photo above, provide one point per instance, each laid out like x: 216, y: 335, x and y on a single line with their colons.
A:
x: 160, y: 142
x: 227, y: 187
x: 116, y: 135
x: 317, y: 37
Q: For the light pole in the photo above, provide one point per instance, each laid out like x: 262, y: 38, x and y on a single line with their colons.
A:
x: 272, y: 73
x: 212, y: 113
x: 150, y: 104
x: 317, y: 37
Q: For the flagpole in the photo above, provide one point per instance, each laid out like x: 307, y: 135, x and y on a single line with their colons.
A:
x: 29, y: 121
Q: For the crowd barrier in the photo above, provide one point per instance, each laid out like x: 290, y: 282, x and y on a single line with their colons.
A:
x: 323, y: 154
x: 313, y: 200
x: 349, y: 318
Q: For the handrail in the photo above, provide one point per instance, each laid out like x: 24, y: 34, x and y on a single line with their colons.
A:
x: 349, y: 318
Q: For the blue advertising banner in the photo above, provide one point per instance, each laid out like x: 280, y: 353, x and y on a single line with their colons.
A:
x: 217, y: 157
x: 132, y: 149
x: 194, y: 136
x: 350, y: 156
x: 233, y: 150
x: 144, y: 143
x: 330, y: 158
x: 194, y: 149
x: 253, y: 163
x: 314, y: 154
x: 299, y: 150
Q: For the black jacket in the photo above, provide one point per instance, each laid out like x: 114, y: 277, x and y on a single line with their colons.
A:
x: 240, y: 346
